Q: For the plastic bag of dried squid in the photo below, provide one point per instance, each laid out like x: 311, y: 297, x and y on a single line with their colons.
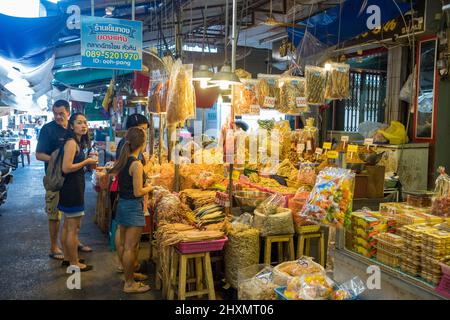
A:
x: 268, y: 91
x: 316, y: 79
x: 292, y: 95
x: 338, y: 84
x: 246, y: 101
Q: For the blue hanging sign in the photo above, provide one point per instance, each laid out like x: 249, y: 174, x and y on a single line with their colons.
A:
x: 111, y: 43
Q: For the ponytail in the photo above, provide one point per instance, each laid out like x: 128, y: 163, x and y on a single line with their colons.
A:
x: 123, y: 158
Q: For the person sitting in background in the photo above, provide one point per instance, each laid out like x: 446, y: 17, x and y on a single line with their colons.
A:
x: 130, y: 211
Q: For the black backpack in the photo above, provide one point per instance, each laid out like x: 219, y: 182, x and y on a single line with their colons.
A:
x: 54, y: 178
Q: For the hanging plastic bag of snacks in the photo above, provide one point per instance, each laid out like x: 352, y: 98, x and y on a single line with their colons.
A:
x: 441, y: 202
x: 293, y: 95
x: 246, y: 100
x: 268, y: 91
x: 338, y: 84
x: 316, y: 78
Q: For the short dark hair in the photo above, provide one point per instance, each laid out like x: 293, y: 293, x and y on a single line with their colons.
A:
x: 61, y: 103
x: 135, y: 120
x: 241, y: 124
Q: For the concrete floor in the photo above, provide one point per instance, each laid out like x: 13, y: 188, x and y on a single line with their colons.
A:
x: 26, y: 270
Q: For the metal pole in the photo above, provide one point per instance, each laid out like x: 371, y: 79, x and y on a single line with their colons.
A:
x: 234, y: 39
x: 133, y: 9
x: 92, y: 8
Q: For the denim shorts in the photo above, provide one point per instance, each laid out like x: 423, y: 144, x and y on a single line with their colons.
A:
x: 130, y: 212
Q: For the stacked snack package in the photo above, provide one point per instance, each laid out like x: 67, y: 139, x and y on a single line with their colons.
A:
x: 364, y: 230
x: 435, y: 249
x: 338, y: 84
x: 293, y: 95
x: 316, y: 79
x: 268, y: 91
x: 412, y: 255
x: 441, y: 203
x: 330, y: 201
x: 246, y: 101
x: 389, y: 249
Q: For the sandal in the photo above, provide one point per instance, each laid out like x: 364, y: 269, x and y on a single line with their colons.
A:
x: 140, y: 276
x: 66, y: 263
x: 83, y: 248
x: 57, y: 256
x: 137, y: 287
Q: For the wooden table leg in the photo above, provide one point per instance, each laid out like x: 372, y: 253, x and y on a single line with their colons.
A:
x: 182, y: 278
x: 199, y: 275
x: 209, y: 277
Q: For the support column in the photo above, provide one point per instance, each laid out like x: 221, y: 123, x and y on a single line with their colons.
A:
x: 396, y: 75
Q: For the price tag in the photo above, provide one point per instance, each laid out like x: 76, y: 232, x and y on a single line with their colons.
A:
x: 352, y: 148
x: 300, y: 147
x: 327, y: 145
x: 308, y: 145
x: 319, y: 151
x: 344, y: 139
x: 368, y: 142
x: 301, y: 102
x: 236, y: 175
x: 269, y: 102
x: 332, y: 154
x: 254, y: 109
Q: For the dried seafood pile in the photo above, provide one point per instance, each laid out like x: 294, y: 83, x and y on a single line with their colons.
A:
x: 169, y: 208
x: 195, y: 198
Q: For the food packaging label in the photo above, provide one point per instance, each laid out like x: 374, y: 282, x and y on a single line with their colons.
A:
x: 254, y: 109
x: 368, y: 141
x: 236, y: 175
x: 344, y: 138
x: 308, y: 145
x: 319, y: 151
x: 327, y: 145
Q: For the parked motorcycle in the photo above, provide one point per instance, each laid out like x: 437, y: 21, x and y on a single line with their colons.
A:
x: 6, y: 178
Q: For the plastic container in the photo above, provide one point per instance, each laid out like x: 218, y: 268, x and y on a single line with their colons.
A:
x: 388, y: 247
x: 444, y: 287
x: 419, y: 199
x: 388, y: 258
x: 201, y: 246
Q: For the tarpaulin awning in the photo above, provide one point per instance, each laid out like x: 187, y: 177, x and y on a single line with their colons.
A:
x: 85, y: 75
x: 346, y: 20
x: 29, y: 41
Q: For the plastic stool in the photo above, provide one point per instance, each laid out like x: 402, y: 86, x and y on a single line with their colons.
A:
x: 304, y: 244
x: 280, y: 240
x: 179, y: 264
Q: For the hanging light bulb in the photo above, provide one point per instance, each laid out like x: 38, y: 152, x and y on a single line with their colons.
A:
x: 225, y: 77
x: 203, y: 75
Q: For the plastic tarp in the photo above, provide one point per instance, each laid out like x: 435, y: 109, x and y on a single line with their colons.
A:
x: 29, y: 41
x: 345, y: 21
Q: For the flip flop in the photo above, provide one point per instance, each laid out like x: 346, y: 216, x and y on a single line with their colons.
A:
x: 66, y: 263
x: 140, y: 276
x: 138, y: 287
x: 57, y: 256
x: 84, y: 248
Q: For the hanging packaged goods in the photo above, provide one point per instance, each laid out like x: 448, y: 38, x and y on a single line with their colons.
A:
x: 316, y: 79
x: 245, y: 98
x: 338, y: 84
x: 268, y: 91
x: 181, y: 95
x: 293, y: 95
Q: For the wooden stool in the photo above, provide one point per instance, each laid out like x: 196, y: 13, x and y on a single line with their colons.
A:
x: 179, y: 263
x: 280, y: 240
x: 304, y: 244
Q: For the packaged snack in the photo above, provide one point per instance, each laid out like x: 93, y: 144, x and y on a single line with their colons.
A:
x: 338, y: 84
x: 315, y: 286
x: 349, y: 290
x: 316, y: 79
x: 255, y: 283
x: 330, y: 201
x: 246, y: 100
x: 268, y: 91
x: 441, y: 202
x: 293, y: 95
x: 285, y: 271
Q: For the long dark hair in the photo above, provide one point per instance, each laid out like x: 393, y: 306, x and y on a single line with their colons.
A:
x: 134, y: 139
x: 85, y: 141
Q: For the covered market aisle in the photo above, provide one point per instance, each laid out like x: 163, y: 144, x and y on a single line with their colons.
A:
x: 27, y: 271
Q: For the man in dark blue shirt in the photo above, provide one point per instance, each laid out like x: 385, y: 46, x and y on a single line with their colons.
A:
x: 51, y: 138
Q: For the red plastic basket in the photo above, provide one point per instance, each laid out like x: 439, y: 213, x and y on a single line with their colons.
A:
x: 444, y: 287
x: 201, y: 246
